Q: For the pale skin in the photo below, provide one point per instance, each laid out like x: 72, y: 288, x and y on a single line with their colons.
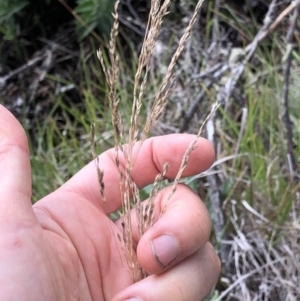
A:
x: 65, y: 247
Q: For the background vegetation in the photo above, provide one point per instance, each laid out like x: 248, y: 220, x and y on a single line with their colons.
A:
x: 243, y: 54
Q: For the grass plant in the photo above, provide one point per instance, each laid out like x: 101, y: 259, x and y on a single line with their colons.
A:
x: 130, y: 144
x: 258, y: 196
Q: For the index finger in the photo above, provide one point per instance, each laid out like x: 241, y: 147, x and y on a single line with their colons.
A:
x: 15, y: 172
x: 154, y: 153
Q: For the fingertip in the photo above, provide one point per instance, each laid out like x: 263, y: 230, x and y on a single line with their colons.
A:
x: 174, y: 147
x: 211, y: 150
x: 214, y: 258
x: 205, y: 152
x: 11, y: 131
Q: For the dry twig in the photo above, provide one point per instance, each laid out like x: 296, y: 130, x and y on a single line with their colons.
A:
x: 288, y: 128
x: 218, y: 216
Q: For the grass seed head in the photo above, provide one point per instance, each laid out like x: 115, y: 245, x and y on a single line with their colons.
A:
x: 129, y: 190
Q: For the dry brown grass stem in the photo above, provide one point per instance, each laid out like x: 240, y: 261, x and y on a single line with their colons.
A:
x: 126, y: 184
x: 100, y: 173
x: 147, y: 214
x: 127, y: 248
x: 279, y: 19
x: 111, y: 75
x: 129, y: 191
x: 186, y: 156
x: 164, y: 90
x: 157, y: 12
x: 161, y: 98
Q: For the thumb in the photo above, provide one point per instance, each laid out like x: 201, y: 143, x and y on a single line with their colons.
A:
x: 15, y: 172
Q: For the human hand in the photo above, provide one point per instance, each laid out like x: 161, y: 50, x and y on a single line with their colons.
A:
x: 65, y: 246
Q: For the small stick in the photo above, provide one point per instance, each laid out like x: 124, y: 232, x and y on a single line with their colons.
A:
x: 218, y: 216
x: 285, y: 98
x: 279, y: 19
x: 225, y: 92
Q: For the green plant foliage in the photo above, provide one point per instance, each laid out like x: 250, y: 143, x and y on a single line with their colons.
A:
x: 8, y: 9
x: 96, y: 14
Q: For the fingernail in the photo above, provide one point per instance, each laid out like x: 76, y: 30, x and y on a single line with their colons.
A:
x: 165, y: 249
